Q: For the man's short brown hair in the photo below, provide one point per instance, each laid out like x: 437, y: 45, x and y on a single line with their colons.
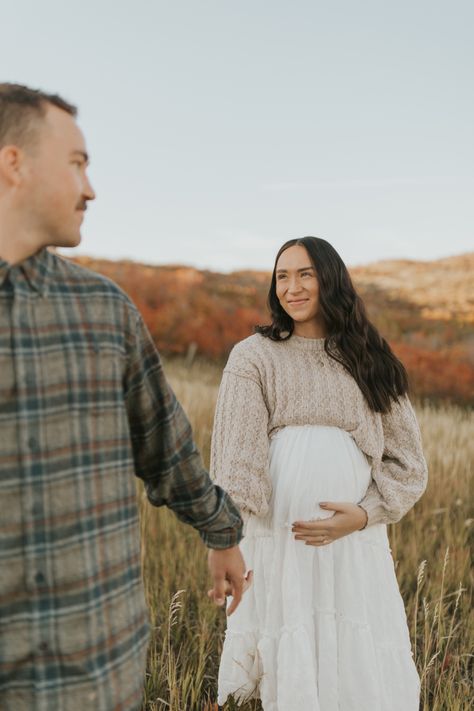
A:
x: 21, y: 109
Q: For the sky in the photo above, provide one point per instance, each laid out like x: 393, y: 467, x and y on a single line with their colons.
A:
x: 219, y: 129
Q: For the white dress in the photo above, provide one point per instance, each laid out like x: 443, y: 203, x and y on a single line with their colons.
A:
x: 321, y: 628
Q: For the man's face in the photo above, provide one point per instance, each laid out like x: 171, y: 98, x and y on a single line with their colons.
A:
x: 56, y: 188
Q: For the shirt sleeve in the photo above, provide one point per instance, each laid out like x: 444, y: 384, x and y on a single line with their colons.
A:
x: 164, y: 452
x: 240, y: 444
x: 401, y: 477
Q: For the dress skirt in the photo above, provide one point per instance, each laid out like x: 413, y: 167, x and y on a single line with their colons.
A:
x: 321, y: 628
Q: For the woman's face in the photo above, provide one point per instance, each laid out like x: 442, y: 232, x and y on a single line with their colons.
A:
x: 297, y: 286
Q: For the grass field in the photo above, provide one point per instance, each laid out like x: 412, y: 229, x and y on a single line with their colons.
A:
x: 430, y: 547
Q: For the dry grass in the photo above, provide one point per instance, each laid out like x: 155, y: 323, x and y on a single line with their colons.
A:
x: 430, y: 547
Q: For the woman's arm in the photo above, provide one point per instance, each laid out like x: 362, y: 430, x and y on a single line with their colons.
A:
x: 400, y: 478
x: 239, y: 448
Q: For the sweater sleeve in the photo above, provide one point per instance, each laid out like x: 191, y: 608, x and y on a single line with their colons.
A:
x: 401, y: 476
x: 239, y: 447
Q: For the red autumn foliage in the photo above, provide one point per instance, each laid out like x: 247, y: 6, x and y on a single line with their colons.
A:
x: 207, y: 312
x: 437, y: 374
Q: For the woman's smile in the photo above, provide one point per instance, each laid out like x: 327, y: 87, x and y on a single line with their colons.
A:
x: 297, y: 302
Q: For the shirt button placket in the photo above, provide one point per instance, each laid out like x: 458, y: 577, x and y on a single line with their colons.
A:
x: 29, y: 448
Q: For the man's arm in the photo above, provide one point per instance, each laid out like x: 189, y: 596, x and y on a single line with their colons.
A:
x: 167, y: 459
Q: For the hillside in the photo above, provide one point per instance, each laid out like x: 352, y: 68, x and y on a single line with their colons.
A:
x: 443, y: 289
x: 424, y: 309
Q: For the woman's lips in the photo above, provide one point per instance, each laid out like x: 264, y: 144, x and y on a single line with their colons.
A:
x: 298, y: 302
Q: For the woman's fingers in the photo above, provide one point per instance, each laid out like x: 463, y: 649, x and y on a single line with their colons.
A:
x: 322, y: 527
x: 319, y: 532
x: 334, y: 505
x: 346, y: 519
x: 314, y: 541
x: 228, y: 587
x: 248, y: 580
x: 341, y: 507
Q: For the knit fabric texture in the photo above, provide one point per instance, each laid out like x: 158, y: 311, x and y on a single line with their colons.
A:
x: 267, y: 385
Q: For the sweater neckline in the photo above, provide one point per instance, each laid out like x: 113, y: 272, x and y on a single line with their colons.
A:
x: 308, y: 344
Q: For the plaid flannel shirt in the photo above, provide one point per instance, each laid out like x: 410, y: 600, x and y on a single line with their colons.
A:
x: 84, y: 405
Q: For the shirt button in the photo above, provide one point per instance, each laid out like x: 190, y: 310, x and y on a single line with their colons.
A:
x: 43, y: 647
x: 33, y: 444
x: 39, y: 578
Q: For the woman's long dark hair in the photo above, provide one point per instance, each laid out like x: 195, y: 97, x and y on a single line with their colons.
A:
x: 351, y: 339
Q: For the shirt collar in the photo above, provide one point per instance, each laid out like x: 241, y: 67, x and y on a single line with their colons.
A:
x: 36, y: 269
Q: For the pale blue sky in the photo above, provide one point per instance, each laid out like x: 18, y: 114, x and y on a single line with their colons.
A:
x: 218, y: 129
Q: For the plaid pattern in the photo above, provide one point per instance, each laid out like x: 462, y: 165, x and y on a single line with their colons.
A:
x: 84, y: 405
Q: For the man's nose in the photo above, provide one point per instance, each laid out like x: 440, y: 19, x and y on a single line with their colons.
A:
x: 89, y: 192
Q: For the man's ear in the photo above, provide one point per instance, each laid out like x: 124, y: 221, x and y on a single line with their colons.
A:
x: 12, y: 165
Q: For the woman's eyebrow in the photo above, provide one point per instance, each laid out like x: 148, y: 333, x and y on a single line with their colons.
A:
x: 303, y: 269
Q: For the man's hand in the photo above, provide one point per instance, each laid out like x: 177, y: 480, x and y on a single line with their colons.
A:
x: 347, y: 519
x: 227, y: 568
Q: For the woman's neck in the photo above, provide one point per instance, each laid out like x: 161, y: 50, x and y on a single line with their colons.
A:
x: 309, y: 329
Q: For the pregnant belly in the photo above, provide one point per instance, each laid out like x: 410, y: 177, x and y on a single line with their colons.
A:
x: 311, y: 464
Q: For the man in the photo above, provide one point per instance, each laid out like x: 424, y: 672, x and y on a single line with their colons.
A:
x: 84, y: 405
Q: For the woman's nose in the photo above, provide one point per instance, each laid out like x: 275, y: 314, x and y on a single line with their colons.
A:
x: 294, y: 286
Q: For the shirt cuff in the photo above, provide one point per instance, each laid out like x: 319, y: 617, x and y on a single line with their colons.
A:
x: 227, y: 538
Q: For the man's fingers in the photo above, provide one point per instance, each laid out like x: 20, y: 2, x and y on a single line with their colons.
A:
x: 219, y: 590
x: 231, y: 591
x: 227, y: 568
x: 244, y: 585
x: 237, y: 585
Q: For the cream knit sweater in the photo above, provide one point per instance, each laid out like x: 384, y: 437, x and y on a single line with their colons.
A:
x: 268, y: 385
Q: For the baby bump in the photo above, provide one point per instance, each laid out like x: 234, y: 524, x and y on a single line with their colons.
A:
x: 315, y: 463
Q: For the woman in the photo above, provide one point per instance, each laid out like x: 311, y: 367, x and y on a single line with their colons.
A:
x: 316, y: 441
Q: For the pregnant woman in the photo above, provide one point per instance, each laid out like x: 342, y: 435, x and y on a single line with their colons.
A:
x: 317, y: 442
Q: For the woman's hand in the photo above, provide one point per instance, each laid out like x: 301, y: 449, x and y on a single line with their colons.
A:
x: 348, y: 518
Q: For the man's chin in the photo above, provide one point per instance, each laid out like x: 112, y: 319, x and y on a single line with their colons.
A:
x: 68, y: 241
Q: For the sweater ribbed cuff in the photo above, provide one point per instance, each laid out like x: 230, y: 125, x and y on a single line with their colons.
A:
x: 376, y: 512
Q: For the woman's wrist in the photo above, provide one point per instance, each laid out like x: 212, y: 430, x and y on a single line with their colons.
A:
x: 366, y: 517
